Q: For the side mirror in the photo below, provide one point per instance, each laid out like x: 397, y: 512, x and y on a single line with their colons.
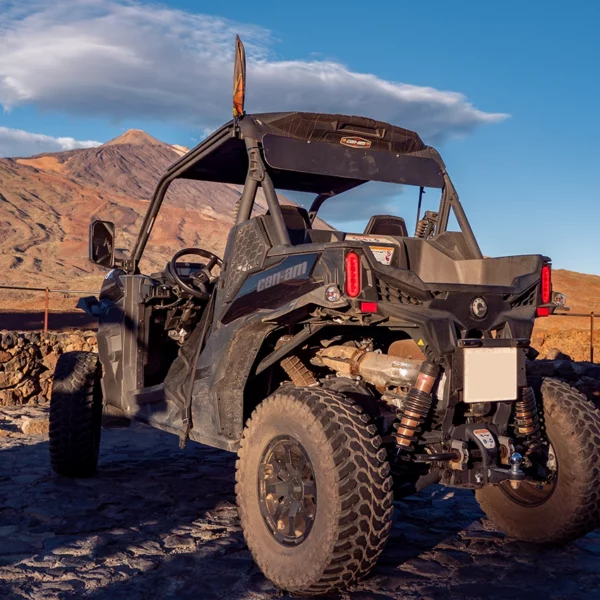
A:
x: 102, y: 243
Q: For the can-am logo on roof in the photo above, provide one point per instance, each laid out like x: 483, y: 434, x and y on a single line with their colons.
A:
x: 355, y: 142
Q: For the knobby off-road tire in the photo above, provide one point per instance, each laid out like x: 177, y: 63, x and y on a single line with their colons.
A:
x: 572, y: 424
x: 75, y: 415
x: 353, y: 514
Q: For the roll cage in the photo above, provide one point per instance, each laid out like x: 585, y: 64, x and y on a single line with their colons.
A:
x: 308, y: 152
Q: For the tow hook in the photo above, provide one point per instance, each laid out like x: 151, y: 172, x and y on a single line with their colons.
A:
x: 516, y: 475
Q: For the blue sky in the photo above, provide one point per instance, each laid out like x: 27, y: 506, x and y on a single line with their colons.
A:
x: 507, y: 91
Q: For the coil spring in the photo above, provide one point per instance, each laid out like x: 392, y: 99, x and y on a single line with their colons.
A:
x: 527, y: 423
x: 411, y: 416
x: 298, y: 372
x: 421, y: 227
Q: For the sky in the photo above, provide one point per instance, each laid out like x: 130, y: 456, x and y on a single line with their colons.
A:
x: 507, y: 92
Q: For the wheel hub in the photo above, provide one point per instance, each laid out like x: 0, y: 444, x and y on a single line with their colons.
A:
x: 530, y: 493
x: 287, y: 490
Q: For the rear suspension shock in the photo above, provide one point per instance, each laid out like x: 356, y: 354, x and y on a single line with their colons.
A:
x: 421, y: 228
x: 527, y: 423
x: 416, y: 407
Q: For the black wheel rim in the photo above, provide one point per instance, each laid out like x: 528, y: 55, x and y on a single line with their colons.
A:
x: 530, y: 494
x: 287, y: 490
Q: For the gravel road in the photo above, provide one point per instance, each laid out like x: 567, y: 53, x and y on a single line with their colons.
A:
x: 161, y: 523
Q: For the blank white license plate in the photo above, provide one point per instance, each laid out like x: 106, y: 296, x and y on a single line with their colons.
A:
x: 490, y: 374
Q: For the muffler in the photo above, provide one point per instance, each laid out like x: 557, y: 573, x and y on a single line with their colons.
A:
x: 381, y: 370
x: 384, y: 371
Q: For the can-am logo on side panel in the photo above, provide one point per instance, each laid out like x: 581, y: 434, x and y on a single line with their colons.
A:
x: 278, y: 277
x: 355, y: 142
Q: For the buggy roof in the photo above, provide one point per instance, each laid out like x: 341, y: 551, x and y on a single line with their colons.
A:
x: 314, y: 152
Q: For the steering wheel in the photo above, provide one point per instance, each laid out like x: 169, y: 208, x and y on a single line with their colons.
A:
x: 197, y: 286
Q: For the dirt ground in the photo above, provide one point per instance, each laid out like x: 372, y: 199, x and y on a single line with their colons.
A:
x: 160, y: 523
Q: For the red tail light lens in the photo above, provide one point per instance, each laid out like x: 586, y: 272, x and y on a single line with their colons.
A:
x: 546, y: 284
x: 352, y: 274
x: 543, y: 311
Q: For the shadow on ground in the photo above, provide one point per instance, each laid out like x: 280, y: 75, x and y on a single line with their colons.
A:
x: 157, y: 522
x: 57, y: 321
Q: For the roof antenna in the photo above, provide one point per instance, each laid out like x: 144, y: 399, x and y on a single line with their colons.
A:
x: 421, y: 192
x: 239, y: 80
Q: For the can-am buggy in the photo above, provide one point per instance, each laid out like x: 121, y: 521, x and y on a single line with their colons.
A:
x: 345, y: 369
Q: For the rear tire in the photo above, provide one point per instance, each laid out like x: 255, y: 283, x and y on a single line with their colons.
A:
x: 75, y: 415
x: 572, y: 508
x: 351, y: 506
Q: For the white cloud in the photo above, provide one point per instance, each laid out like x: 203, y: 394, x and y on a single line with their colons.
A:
x: 16, y: 142
x: 121, y: 59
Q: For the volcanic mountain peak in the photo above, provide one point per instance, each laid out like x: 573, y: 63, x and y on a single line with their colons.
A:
x: 135, y: 137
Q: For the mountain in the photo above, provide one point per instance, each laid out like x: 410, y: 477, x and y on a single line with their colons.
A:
x: 48, y: 201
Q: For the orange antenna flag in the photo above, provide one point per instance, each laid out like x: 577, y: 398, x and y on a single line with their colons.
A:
x: 239, y: 78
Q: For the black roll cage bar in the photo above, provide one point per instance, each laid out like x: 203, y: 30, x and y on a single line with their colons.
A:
x: 258, y: 175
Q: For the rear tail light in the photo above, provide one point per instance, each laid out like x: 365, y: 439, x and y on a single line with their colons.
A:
x: 352, y: 274
x: 546, y: 284
x: 543, y: 311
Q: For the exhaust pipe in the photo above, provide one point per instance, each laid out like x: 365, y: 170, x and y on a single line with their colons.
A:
x: 381, y: 370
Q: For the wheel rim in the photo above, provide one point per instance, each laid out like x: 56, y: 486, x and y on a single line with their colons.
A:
x: 530, y: 494
x: 287, y: 490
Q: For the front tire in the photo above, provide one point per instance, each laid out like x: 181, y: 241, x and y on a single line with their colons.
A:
x: 75, y: 415
x: 313, y: 490
x: 571, y: 507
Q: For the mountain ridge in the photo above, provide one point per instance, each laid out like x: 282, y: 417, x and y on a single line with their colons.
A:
x: 47, y: 202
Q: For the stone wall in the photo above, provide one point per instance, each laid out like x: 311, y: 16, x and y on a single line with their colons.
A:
x: 585, y: 376
x: 27, y: 362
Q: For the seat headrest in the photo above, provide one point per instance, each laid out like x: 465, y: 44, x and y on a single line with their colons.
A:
x: 387, y: 225
x: 295, y: 217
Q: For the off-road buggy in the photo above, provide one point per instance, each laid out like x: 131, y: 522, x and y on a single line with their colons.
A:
x: 345, y: 369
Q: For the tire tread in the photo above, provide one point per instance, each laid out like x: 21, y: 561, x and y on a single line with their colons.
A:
x: 75, y: 415
x: 580, y: 423
x: 364, y: 512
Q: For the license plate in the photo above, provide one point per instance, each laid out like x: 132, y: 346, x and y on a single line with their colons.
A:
x: 490, y: 374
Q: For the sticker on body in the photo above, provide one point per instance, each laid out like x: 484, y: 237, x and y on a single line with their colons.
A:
x: 485, y: 437
x: 382, y: 254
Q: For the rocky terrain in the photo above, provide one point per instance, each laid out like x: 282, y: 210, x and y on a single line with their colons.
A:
x: 27, y: 362
x: 158, y: 522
